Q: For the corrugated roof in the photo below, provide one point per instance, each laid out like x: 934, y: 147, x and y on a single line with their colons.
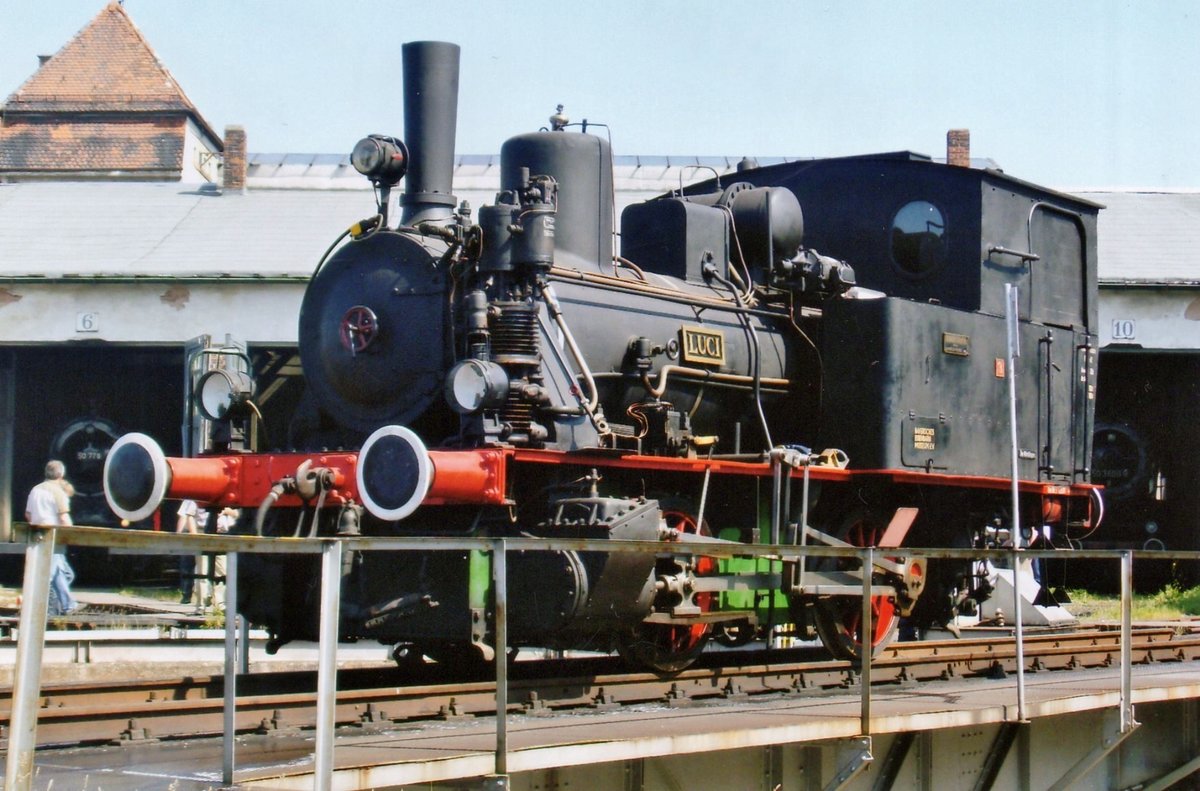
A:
x: 108, y: 229
x: 93, y: 229
x: 649, y: 174
x: 143, y: 229
x: 1148, y: 237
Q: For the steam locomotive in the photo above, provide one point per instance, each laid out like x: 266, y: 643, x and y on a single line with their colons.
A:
x: 512, y: 374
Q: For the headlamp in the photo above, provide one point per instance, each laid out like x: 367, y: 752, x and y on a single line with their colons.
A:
x: 222, y: 394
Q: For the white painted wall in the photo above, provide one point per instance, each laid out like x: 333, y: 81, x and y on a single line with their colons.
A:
x: 201, y: 164
x: 1151, y: 318
x: 159, y: 312
x: 170, y: 312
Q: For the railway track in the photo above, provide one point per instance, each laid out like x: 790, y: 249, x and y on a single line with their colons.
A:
x: 379, y: 698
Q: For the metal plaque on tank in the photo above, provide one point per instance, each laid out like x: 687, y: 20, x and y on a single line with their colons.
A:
x: 956, y: 344
x: 706, y: 347
x: 925, y: 442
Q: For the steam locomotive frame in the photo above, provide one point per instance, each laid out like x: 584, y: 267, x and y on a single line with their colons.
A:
x: 718, y: 380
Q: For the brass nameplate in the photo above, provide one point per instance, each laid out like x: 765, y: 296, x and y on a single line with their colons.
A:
x: 956, y: 344
x: 706, y: 347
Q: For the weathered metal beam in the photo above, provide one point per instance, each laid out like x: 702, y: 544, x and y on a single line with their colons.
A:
x: 996, y: 754
x: 889, y: 767
x: 231, y: 670
x: 331, y: 590
x: 23, y: 720
x: 1113, y: 736
x: 1171, y: 778
x: 854, y: 755
x: 772, y: 767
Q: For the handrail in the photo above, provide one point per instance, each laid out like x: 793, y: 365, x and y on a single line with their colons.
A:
x: 154, y: 542
x: 40, y: 543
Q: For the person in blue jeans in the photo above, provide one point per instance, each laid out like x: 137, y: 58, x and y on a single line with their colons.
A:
x: 49, y: 504
x: 192, y: 519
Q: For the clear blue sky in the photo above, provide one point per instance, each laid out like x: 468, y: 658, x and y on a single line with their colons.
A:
x: 1071, y: 95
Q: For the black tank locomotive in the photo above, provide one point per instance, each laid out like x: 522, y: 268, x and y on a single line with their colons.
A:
x: 513, y: 374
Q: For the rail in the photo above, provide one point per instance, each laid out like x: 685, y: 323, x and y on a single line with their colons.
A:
x: 39, y: 544
x: 378, y: 698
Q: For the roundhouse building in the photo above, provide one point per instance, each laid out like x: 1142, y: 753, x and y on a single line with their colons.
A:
x: 132, y: 235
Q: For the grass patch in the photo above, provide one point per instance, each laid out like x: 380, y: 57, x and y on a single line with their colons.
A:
x: 1170, y: 603
x: 157, y: 594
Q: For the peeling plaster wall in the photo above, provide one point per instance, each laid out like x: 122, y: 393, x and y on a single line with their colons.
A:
x: 173, y: 311
x: 1157, y: 318
x: 161, y: 312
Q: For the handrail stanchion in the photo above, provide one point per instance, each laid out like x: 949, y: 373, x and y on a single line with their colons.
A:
x: 1020, y: 630
x: 231, y: 669
x: 1127, y: 723
x: 868, y: 641
x: 1012, y: 315
x: 23, y: 719
x: 331, y: 589
x: 500, y: 591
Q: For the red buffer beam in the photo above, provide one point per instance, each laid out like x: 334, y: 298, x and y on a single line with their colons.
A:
x: 392, y: 475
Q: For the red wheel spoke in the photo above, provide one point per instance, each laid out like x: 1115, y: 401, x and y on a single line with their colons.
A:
x: 672, y: 647
x: 839, y: 619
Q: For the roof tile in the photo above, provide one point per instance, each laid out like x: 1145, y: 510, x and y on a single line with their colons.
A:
x: 130, y: 146
x: 103, y: 103
x: 107, y: 65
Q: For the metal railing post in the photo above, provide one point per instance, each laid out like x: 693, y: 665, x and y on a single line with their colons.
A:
x: 231, y: 669
x: 331, y: 590
x: 1020, y: 630
x: 868, y: 640
x: 1127, y: 723
x: 39, y: 561
x: 500, y: 591
x: 22, y: 724
x: 1012, y: 324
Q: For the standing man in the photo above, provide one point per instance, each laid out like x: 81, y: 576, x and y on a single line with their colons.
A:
x: 49, y: 504
x: 192, y: 519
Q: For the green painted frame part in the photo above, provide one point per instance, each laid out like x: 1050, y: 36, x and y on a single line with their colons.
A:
x: 479, y: 580
x: 759, y: 600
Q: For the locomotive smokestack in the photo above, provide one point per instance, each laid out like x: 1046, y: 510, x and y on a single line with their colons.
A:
x: 430, y: 120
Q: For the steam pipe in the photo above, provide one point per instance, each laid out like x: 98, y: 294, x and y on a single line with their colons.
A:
x: 430, y: 123
x: 556, y: 314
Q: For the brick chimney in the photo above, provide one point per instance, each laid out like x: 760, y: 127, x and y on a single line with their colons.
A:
x: 958, y: 148
x: 234, y: 175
